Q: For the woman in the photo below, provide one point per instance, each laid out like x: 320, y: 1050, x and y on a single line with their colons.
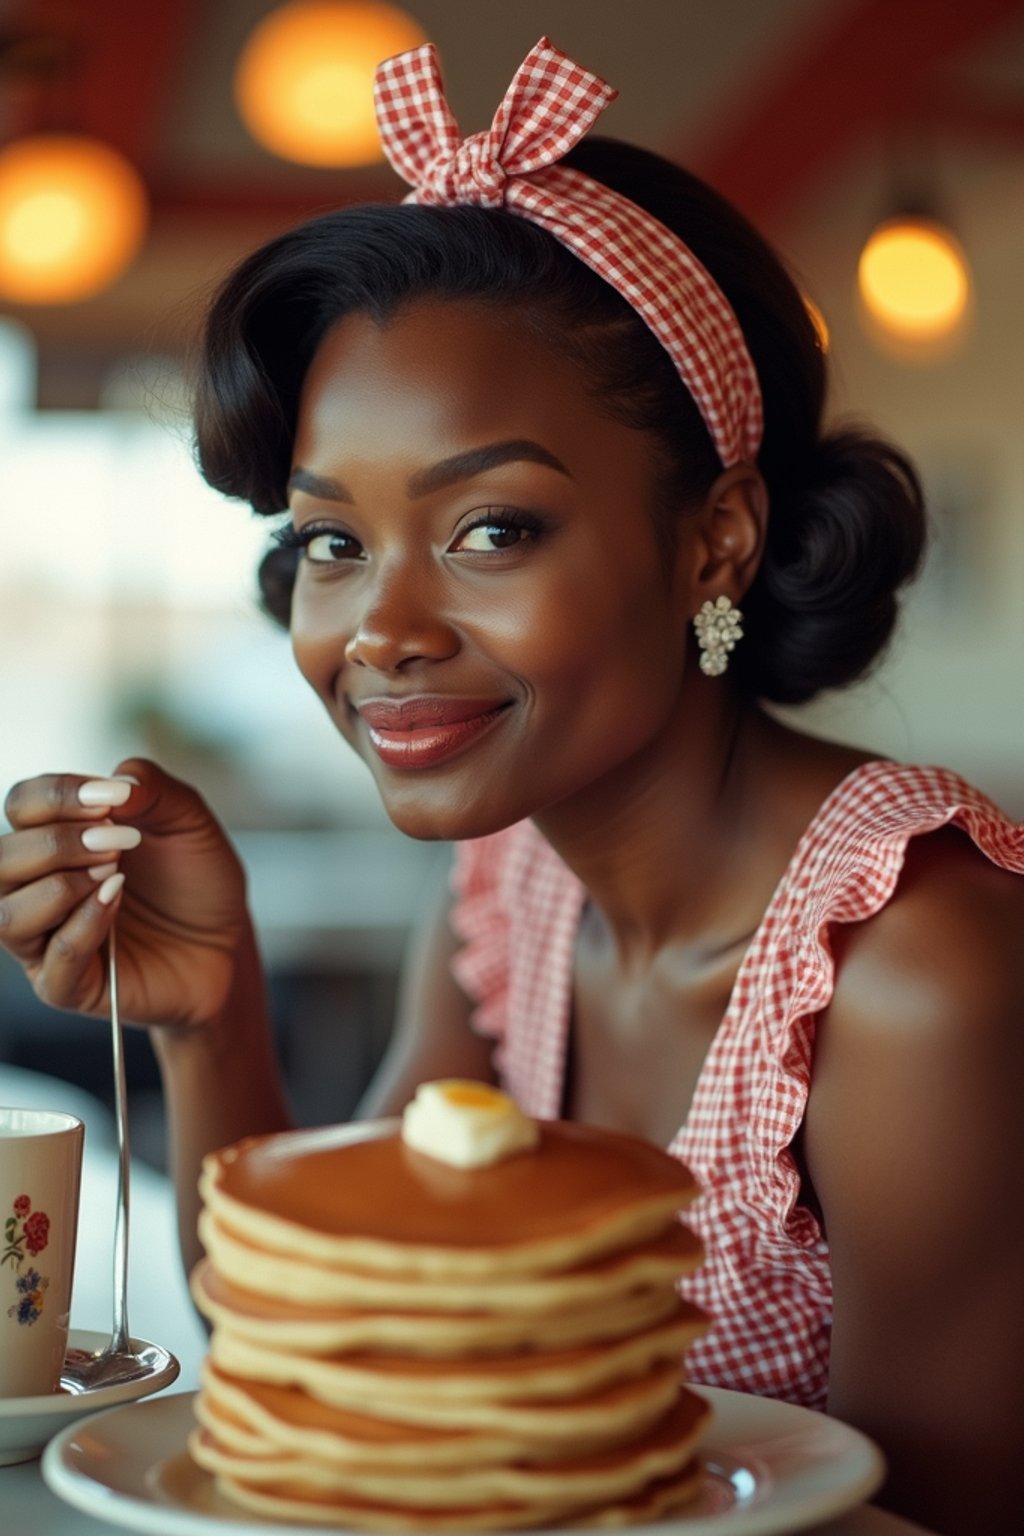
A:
x: 518, y: 424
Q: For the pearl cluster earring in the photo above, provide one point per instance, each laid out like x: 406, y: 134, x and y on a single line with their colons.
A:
x: 718, y: 627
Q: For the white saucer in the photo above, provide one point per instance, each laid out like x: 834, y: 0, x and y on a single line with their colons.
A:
x: 26, y: 1423
x: 768, y: 1467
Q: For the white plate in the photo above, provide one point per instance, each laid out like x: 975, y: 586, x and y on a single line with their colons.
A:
x: 26, y: 1423
x: 769, y: 1467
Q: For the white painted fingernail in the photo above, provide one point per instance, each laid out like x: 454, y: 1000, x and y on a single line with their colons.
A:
x: 104, y: 792
x: 110, y: 839
x: 109, y: 889
x: 101, y: 871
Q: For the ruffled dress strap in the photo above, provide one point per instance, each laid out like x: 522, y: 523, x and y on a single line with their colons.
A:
x: 767, y: 1278
x: 516, y: 908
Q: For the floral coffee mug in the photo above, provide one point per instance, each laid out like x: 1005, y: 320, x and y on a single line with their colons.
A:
x: 40, y: 1176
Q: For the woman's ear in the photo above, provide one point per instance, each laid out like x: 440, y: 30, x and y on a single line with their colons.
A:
x: 728, y: 535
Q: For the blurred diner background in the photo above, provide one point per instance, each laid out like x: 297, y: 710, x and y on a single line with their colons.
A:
x: 144, y: 148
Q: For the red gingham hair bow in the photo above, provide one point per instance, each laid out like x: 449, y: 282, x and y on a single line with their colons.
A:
x: 551, y: 103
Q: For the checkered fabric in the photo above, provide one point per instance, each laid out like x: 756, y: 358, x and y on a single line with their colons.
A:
x: 550, y: 104
x: 766, y: 1280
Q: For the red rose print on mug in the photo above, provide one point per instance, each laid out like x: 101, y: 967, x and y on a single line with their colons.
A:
x: 27, y: 1231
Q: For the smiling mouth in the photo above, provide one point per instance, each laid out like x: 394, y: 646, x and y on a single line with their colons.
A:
x: 421, y: 733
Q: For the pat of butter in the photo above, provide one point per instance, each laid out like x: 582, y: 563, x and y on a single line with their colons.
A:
x: 466, y: 1124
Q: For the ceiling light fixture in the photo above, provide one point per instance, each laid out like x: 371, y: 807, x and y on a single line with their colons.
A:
x: 304, y: 80
x: 914, y: 284
x: 73, y: 215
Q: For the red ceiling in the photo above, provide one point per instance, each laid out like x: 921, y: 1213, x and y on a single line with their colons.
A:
x: 880, y: 62
x: 873, y: 63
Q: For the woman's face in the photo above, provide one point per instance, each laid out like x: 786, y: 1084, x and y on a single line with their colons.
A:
x: 481, y: 604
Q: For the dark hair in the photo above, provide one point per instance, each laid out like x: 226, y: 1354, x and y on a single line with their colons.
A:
x: 847, y: 524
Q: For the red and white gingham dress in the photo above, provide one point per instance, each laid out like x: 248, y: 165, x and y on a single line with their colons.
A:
x: 766, y: 1278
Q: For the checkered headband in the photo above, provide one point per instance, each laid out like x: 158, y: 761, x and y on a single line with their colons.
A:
x: 551, y: 104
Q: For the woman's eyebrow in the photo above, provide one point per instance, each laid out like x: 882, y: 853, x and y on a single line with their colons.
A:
x: 316, y: 485
x: 461, y: 466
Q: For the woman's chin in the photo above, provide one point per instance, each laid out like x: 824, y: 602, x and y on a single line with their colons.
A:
x: 446, y: 823
x: 423, y: 831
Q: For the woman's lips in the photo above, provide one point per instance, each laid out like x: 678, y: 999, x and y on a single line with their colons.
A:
x: 417, y: 733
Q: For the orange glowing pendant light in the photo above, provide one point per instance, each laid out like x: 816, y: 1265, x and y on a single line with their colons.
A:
x: 304, y: 80
x: 73, y: 215
x: 914, y: 281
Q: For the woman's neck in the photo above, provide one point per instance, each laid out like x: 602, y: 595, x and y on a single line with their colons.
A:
x: 686, y: 842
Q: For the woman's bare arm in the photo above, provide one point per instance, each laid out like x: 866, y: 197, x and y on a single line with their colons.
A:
x: 914, y: 1142
x: 432, y: 1036
x: 220, y: 1082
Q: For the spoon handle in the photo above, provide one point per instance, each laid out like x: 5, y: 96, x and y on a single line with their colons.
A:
x: 121, y: 1337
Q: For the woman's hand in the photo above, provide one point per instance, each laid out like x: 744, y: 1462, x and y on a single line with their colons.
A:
x: 181, y: 911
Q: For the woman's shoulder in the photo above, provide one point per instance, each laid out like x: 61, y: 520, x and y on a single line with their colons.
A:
x: 947, y: 944
x: 871, y: 836
x: 915, y: 876
x: 942, y: 932
x: 915, y: 1093
x: 921, y: 1051
x: 890, y: 800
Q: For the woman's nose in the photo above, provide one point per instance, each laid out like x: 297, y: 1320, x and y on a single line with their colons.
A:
x: 402, y: 620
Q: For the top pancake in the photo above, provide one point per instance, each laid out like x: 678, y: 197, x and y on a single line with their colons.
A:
x: 359, y: 1195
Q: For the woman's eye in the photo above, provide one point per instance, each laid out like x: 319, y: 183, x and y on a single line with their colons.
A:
x: 331, y: 548
x: 494, y: 534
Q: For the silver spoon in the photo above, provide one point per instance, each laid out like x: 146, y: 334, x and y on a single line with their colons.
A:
x: 119, y: 1360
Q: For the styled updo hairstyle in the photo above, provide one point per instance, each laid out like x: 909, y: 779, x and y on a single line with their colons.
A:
x: 847, y: 525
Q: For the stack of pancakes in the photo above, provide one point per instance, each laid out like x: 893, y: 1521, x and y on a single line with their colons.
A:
x: 399, y: 1344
